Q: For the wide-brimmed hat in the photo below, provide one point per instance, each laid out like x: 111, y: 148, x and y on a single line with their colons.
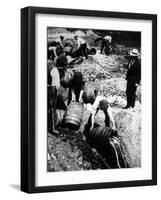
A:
x: 134, y: 52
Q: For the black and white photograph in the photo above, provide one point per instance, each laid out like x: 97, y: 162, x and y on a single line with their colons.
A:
x: 89, y: 99
x: 94, y: 99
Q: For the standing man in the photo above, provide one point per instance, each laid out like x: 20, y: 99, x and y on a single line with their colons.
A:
x: 61, y: 64
x: 82, y: 46
x: 61, y: 41
x: 106, y: 41
x: 133, y: 78
x: 53, y: 86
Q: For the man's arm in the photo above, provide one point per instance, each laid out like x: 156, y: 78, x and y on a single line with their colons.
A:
x: 78, y: 43
x: 80, y: 96
x: 139, y: 73
x: 97, y: 101
x: 73, y: 96
x: 109, y: 110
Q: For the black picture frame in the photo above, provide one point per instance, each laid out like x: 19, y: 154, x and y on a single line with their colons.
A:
x: 28, y: 98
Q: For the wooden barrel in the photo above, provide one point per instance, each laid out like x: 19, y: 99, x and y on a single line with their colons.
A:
x: 108, y: 147
x: 99, y: 136
x: 73, y: 116
x: 92, y: 51
x: 89, y: 94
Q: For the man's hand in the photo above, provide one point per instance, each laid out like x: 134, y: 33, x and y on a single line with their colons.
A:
x: 89, y: 107
x: 80, y: 100
x: 73, y: 100
x: 92, y: 122
x: 73, y: 97
x: 80, y: 96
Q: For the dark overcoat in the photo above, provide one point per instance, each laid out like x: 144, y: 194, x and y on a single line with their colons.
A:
x: 134, y: 71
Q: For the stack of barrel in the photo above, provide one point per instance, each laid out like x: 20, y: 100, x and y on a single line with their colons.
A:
x: 108, y: 146
x: 99, y: 136
x: 73, y: 116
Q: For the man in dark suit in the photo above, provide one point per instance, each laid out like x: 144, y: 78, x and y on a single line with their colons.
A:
x: 133, y: 78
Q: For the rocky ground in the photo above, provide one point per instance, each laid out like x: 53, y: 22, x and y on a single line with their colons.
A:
x: 68, y: 150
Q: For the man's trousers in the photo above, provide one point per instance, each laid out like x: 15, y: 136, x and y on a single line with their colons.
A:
x: 131, y: 93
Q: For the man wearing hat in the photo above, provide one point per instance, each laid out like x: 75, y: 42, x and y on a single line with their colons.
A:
x: 82, y: 46
x: 53, y: 86
x: 106, y: 42
x: 61, y: 64
x: 133, y: 78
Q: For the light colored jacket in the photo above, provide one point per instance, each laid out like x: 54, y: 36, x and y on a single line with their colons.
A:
x: 55, y: 77
x: 109, y: 110
x: 80, y: 41
x: 108, y: 37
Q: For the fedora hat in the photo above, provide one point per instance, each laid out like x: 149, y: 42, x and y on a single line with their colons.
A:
x: 134, y: 52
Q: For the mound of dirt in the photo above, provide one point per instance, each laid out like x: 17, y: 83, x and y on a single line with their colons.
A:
x: 128, y: 123
x: 91, y: 33
x: 107, y: 73
x: 116, y: 87
x: 91, y: 73
x: 69, y: 152
x: 111, y: 66
x: 79, y: 33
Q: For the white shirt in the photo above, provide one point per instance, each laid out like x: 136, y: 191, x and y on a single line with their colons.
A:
x: 108, y: 37
x: 55, y: 77
x: 55, y: 54
x: 80, y: 41
x: 109, y: 110
x: 100, y: 98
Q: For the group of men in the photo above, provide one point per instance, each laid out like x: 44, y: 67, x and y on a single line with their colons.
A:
x: 57, y: 47
x: 57, y: 66
x: 101, y: 117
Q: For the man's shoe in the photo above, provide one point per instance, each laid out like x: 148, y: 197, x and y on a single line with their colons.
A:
x: 126, y: 107
x: 55, y: 132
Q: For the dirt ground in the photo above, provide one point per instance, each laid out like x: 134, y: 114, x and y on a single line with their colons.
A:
x: 69, y: 150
